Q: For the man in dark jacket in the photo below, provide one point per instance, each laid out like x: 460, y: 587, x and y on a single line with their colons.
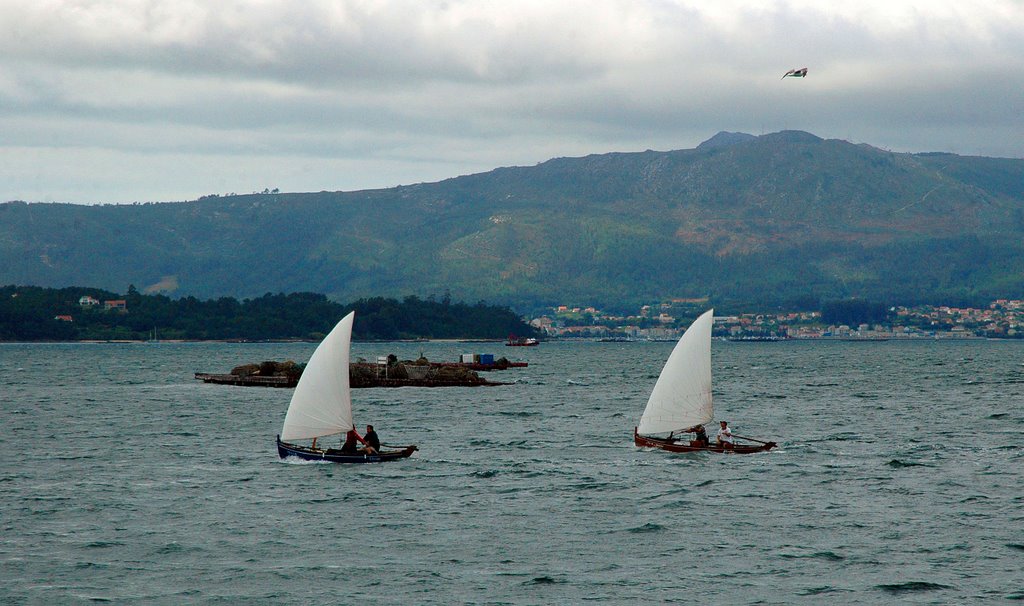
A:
x: 372, y: 441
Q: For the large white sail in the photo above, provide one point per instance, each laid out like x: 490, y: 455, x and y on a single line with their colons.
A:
x: 682, y: 396
x: 321, y: 404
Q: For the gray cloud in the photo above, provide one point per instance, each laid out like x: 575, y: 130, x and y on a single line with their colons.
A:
x: 163, y: 100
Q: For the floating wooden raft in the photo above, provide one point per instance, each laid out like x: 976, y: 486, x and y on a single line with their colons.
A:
x: 257, y: 381
x: 249, y: 381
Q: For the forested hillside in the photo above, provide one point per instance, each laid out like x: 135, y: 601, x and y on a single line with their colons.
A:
x: 773, y: 220
x: 31, y: 313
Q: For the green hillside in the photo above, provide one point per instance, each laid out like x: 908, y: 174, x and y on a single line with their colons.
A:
x: 766, y: 220
x: 33, y: 313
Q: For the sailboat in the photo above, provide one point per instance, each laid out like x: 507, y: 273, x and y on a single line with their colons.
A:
x: 681, y: 399
x: 322, y: 405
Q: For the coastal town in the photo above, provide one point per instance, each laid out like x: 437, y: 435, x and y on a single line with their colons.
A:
x: 1003, y: 318
x: 666, y: 321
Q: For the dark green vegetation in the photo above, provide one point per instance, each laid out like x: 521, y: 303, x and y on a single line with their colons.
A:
x: 781, y: 220
x: 853, y: 312
x: 27, y: 313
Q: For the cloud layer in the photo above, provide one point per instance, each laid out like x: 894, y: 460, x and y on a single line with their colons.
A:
x: 118, y: 101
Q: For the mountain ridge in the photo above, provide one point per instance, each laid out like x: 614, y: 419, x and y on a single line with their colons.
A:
x: 766, y: 219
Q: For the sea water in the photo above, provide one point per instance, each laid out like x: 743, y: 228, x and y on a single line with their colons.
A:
x: 898, y: 479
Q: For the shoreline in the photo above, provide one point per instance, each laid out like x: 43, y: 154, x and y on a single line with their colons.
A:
x: 240, y: 342
x: 940, y: 338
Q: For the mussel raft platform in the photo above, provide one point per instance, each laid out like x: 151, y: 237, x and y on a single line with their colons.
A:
x: 273, y: 381
x: 248, y: 381
x: 362, y: 374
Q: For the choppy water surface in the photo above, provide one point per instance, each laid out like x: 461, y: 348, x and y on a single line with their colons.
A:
x: 899, y: 479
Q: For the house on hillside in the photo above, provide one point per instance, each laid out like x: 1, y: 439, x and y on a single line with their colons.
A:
x: 63, y: 318
x: 116, y: 304
x: 542, y: 323
x: 88, y: 301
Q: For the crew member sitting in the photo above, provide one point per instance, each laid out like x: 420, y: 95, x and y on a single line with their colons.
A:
x: 372, y: 441
x: 725, y: 439
x: 701, y: 437
x: 349, y: 447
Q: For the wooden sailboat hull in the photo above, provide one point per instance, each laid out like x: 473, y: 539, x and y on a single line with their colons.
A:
x: 671, y: 446
x: 331, y: 455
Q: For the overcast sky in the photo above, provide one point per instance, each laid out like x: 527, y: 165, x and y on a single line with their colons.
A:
x: 165, y: 100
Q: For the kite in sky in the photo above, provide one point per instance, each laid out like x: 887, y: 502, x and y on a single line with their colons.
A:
x: 796, y: 73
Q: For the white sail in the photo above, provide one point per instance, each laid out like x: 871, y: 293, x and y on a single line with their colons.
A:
x: 682, y: 396
x: 321, y: 404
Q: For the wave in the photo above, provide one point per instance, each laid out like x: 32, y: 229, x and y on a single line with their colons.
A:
x: 910, y: 586
x: 844, y: 437
x: 675, y: 491
x: 586, y: 486
x: 298, y: 461
x: 896, y: 463
x: 648, y: 527
x: 95, y: 598
x: 103, y: 544
x: 83, y: 457
x: 821, y: 590
x: 544, y: 580
x: 830, y: 556
x: 173, y: 548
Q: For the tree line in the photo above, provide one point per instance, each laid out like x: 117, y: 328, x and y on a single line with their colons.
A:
x: 32, y: 313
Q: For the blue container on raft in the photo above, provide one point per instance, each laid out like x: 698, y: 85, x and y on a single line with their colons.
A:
x: 487, y: 359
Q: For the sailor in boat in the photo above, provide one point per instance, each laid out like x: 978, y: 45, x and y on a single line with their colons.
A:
x: 372, y: 441
x: 725, y: 438
x: 349, y: 447
x: 701, y: 437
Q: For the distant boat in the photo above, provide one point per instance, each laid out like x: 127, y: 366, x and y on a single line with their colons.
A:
x: 322, y: 404
x: 681, y: 399
x: 514, y: 341
x: 758, y: 339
